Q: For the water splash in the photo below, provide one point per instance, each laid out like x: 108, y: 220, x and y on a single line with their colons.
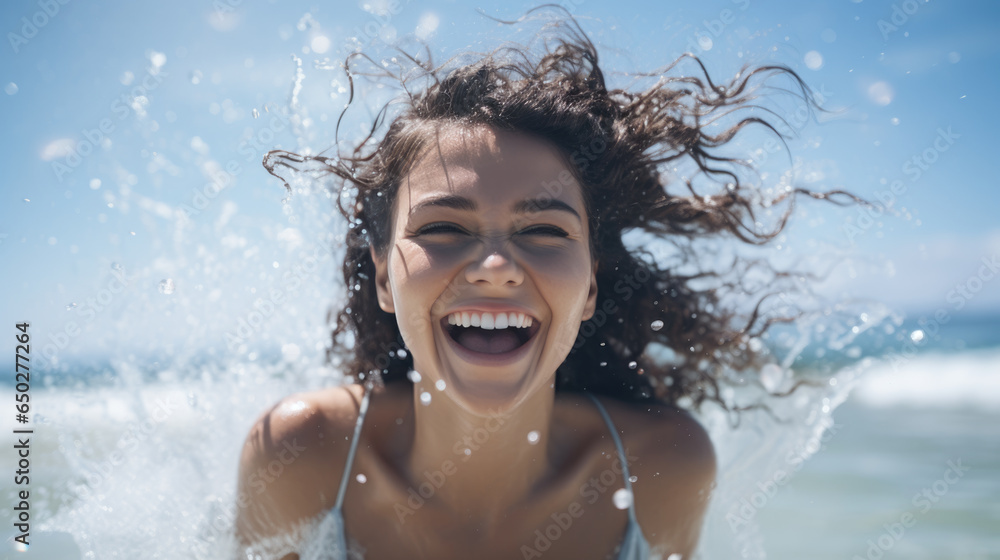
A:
x: 179, y: 466
x: 293, y: 98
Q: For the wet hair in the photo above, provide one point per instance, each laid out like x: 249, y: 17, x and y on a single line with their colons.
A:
x: 617, y: 143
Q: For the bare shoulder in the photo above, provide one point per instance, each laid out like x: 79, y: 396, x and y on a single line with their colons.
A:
x: 663, y: 432
x: 673, y: 459
x: 292, y: 460
x: 670, y: 433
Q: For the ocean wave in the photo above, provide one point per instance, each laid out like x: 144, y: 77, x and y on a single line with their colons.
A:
x: 934, y: 380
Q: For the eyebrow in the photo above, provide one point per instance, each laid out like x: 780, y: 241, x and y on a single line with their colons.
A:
x: 525, y: 206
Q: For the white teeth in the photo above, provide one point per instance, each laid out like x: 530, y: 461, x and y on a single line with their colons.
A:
x: 490, y: 320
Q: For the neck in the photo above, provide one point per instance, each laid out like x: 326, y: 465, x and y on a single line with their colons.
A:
x: 480, y: 466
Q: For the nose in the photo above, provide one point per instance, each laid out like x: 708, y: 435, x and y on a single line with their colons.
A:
x: 495, y: 266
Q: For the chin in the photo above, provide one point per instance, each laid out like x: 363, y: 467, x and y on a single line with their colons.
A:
x: 484, y: 384
x: 483, y: 399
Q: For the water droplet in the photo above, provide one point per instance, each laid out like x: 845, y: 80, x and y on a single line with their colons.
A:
x: 361, y: 478
x: 881, y: 93
x: 11, y: 88
x: 533, y: 437
x: 440, y: 385
x: 167, y: 286
x: 604, y: 364
x: 413, y: 376
x: 290, y: 351
x: 632, y: 365
x: 917, y: 335
x: 468, y: 451
x: 196, y: 77
x: 95, y: 183
x: 894, y: 121
x: 633, y: 478
x: 157, y: 59
x: 70, y: 306
x: 256, y: 114
x: 813, y: 60
x: 117, y: 267
x: 622, y: 498
x: 772, y: 377
x: 656, y: 325
x: 275, y: 264
x: 425, y: 398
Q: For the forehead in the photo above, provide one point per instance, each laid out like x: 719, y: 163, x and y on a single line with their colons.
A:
x: 494, y: 167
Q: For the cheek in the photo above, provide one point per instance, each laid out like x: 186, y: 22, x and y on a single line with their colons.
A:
x: 564, y: 284
x: 417, y: 285
x: 567, y: 276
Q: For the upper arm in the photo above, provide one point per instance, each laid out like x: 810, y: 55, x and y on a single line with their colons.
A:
x: 676, y: 476
x: 288, y: 469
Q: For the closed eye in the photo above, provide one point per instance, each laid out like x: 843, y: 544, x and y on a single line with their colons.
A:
x: 544, y: 230
x: 439, y: 228
x: 450, y: 229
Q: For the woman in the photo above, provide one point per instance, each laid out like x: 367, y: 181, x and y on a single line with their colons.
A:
x: 508, y: 403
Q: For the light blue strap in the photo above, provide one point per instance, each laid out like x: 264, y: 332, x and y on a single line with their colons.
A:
x: 621, y: 456
x: 354, y: 447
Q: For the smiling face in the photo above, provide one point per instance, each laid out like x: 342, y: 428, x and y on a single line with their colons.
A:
x: 488, y: 226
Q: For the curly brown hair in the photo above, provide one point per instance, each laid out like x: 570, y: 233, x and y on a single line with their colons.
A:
x: 616, y: 142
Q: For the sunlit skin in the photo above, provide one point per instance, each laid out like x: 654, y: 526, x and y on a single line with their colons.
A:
x: 539, y: 260
x: 477, y: 251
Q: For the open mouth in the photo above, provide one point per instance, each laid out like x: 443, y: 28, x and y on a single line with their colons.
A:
x: 482, y: 339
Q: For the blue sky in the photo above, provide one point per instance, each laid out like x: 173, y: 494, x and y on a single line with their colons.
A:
x: 158, y: 98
